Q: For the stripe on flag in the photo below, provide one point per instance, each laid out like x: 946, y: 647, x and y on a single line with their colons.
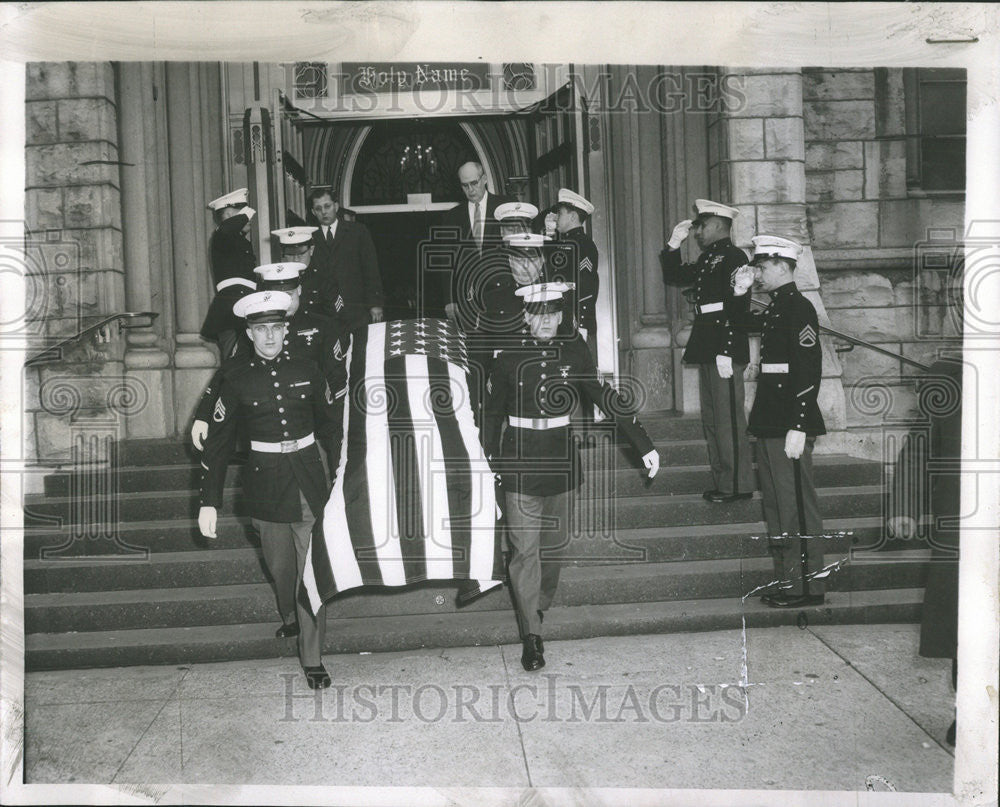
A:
x: 413, y: 499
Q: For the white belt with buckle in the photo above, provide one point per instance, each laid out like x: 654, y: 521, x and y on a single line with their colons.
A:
x: 710, y: 308
x: 538, y: 423
x: 235, y: 281
x: 774, y: 368
x: 284, y: 447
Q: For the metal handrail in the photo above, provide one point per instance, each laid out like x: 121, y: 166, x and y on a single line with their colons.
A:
x: 852, y: 340
x: 124, y: 320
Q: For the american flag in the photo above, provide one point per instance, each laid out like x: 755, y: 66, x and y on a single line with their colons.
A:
x: 413, y: 498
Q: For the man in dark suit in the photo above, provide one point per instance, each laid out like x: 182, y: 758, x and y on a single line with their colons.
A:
x: 479, y: 233
x: 344, y: 253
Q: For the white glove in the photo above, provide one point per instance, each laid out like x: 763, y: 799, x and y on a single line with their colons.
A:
x: 207, y: 517
x: 199, y: 431
x: 902, y: 527
x: 679, y: 234
x: 795, y: 443
x: 724, y: 364
x: 743, y: 279
x: 583, y: 333
x: 451, y: 310
x: 652, y: 462
x: 248, y: 211
x: 550, y: 224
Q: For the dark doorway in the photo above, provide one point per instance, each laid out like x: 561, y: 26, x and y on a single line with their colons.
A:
x: 398, y: 238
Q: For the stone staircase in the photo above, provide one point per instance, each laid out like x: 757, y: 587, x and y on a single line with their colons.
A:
x: 673, y: 562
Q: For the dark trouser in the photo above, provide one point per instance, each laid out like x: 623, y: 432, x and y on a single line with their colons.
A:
x: 287, y: 543
x: 538, y: 531
x: 723, y: 420
x: 791, y: 511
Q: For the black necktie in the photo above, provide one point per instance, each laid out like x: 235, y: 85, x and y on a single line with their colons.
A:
x: 329, y: 237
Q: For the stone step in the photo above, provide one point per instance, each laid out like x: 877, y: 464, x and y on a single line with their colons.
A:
x: 180, y: 645
x: 215, y: 565
x: 664, y: 506
x: 580, y: 585
x: 829, y: 469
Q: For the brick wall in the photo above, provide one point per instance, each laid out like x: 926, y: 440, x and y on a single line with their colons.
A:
x: 74, y: 246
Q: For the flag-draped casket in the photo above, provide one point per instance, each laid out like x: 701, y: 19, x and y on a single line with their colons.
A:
x: 413, y: 498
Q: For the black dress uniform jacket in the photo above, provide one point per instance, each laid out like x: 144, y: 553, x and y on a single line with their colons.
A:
x: 713, y: 333
x: 320, y: 339
x: 789, y: 336
x: 271, y: 400
x: 232, y: 256
x: 587, y: 280
x: 545, y: 380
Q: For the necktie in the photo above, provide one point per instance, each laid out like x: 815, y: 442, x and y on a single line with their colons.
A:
x: 477, y: 226
x: 329, y: 237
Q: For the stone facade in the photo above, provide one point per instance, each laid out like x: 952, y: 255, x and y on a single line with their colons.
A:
x: 121, y: 159
x: 868, y: 230
x: 74, y: 252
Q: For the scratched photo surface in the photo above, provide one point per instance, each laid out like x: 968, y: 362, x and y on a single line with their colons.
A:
x: 702, y: 534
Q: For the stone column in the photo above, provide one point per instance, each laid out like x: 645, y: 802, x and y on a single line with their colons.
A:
x: 74, y: 252
x: 762, y: 172
x: 146, y: 230
x: 194, y: 125
x: 656, y: 161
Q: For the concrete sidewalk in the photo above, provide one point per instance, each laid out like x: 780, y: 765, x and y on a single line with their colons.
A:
x: 825, y: 708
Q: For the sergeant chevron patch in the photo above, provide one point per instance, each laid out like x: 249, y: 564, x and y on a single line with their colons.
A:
x: 219, y: 413
x: 587, y: 264
x: 807, y: 336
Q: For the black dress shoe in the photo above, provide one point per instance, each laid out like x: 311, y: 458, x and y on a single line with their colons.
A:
x: 287, y: 631
x: 317, y: 677
x: 774, y: 596
x: 724, y: 498
x: 708, y: 494
x: 796, y: 601
x: 532, y: 658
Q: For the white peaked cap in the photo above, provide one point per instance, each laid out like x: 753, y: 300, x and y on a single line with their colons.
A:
x: 568, y: 197
x: 706, y: 207
x: 263, y: 305
x: 526, y: 239
x: 543, y: 292
x: 515, y: 210
x: 278, y: 272
x: 294, y: 235
x: 774, y: 246
x: 237, y: 197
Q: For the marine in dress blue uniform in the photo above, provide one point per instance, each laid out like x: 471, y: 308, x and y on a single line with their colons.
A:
x: 786, y: 420
x: 532, y: 390
x: 283, y: 405
x: 720, y: 352
x: 572, y: 213
x: 319, y: 294
x: 232, y: 263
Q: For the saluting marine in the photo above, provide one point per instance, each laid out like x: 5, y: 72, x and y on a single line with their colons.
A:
x: 283, y: 405
x: 532, y: 390
x: 786, y: 419
x: 719, y: 351
x: 233, y: 261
